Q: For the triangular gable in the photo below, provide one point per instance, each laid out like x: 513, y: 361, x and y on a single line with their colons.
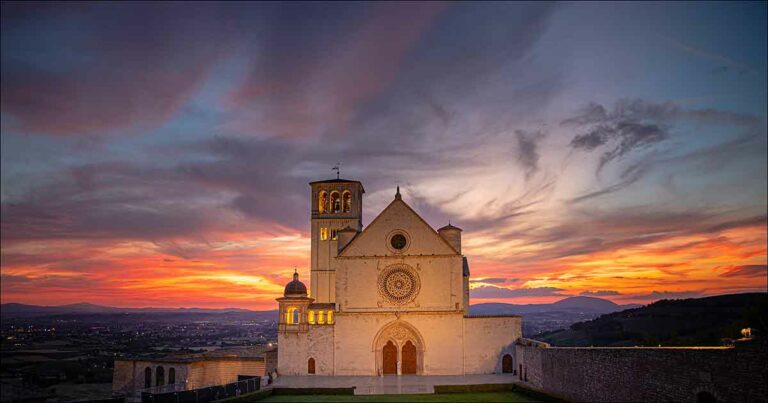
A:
x: 398, y: 215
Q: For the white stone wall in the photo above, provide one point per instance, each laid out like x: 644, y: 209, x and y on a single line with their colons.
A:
x: 295, y: 349
x: 486, y: 340
x: 437, y: 265
x: 356, y: 334
x: 441, y: 284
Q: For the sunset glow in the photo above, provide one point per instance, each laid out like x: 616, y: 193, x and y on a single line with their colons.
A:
x: 609, y: 150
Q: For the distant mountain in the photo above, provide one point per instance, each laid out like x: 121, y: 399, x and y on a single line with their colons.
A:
x: 24, y: 310
x: 539, y: 318
x: 694, y: 321
x: 570, y: 304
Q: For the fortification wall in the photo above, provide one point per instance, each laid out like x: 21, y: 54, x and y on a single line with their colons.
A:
x: 645, y: 374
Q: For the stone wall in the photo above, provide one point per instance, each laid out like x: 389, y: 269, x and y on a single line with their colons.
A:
x: 295, y: 349
x: 645, y: 374
x: 486, y: 340
x: 219, y: 372
x: 128, y: 375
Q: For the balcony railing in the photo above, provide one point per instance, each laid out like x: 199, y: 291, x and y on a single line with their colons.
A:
x: 286, y: 327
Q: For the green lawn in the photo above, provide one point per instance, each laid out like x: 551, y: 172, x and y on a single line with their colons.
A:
x: 445, y: 397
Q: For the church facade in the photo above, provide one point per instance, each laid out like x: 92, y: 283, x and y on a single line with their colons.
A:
x: 388, y: 299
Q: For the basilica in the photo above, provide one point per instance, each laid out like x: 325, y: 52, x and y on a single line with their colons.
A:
x: 391, y: 298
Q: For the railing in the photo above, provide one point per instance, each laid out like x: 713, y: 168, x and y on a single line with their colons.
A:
x: 299, y: 327
x: 205, y: 395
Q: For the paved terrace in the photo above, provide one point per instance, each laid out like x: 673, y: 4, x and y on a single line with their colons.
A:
x: 388, y: 385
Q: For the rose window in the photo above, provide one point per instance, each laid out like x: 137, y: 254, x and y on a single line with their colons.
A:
x: 399, y: 284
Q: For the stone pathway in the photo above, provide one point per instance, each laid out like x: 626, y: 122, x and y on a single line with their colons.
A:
x: 386, y: 385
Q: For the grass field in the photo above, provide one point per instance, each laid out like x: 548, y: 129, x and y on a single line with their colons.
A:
x: 445, y: 397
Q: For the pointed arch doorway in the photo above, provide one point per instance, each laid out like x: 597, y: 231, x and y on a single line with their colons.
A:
x: 409, y: 358
x: 389, y: 358
x: 399, y: 349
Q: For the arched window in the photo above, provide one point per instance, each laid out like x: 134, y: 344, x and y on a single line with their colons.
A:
x: 320, y: 317
x: 311, y: 366
x: 292, y: 316
x: 330, y: 317
x: 335, y: 202
x: 346, y: 198
x: 311, y: 317
x: 171, y: 376
x: 148, y: 377
x: 322, y: 202
x: 160, y: 376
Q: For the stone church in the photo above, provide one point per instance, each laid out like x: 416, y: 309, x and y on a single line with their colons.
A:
x: 388, y: 299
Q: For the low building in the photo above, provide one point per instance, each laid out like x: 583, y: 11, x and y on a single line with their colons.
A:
x: 160, y: 373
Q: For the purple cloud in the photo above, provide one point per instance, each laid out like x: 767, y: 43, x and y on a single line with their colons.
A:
x: 489, y: 291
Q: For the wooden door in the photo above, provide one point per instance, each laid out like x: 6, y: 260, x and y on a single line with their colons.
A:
x: 409, y: 358
x: 506, y: 364
x: 311, y: 366
x: 389, y: 358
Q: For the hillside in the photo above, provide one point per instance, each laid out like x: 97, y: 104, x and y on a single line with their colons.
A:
x: 695, y: 321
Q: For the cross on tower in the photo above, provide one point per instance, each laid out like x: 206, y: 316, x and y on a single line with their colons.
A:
x: 337, y: 168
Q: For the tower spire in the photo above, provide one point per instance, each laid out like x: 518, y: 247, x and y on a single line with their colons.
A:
x: 397, y: 195
x: 337, y: 168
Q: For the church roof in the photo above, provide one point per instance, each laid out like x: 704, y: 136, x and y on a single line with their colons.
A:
x: 339, y: 180
x: 398, y: 199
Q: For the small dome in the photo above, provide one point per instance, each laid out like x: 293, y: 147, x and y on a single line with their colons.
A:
x: 295, y: 288
x: 449, y: 227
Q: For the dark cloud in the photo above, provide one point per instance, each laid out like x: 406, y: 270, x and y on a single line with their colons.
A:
x: 636, y: 124
x: 527, y: 151
x: 494, y: 280
x: 600, y: 293
x: 100, y: 67
x: 489, y: 291
x: 748, y: 270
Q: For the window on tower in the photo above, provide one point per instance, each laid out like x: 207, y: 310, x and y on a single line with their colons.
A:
x: 334, y: 234
x: 292, y: 316
x: 323, y: 234
x: 347, y: 201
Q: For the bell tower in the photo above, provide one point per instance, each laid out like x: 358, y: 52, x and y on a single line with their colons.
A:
x: 336, y: 204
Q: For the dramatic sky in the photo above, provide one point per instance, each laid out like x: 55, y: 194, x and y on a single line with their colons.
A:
x: 159, y: 155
